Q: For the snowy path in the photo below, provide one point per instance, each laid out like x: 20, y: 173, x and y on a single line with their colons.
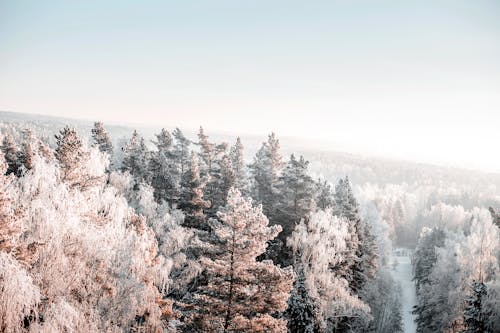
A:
x: 403, y: 275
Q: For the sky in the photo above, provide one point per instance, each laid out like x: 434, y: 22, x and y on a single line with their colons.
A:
x: 416, y: 80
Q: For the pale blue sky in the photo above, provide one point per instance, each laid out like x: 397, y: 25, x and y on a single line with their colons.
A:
x: 417, y: 80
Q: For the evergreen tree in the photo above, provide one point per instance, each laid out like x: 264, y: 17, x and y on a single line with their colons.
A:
x: 216, y: 168
x: 181, y: 155
x: 429, y: 299
x: 347, y: 207
x: 164, y: 170
x: 361, y: 251
x: 238, y: 165
x: 28, y: 150
x: 474, y: 312
x: 72, y: 157
x: 192, y: 202
x: 296, y: 194
x: 207, y: 152
x: 266, y: 169
x: 495, y: 216
x: 301, y: 309
x: 220, y: 178
x: 226, y: 181
x: 324, y: 196
x: 11, y: 154
x: 242, y: 294
x: 135, y: 159
x: 9, y: 227
x: 101, y: 139
x: 425, y: 255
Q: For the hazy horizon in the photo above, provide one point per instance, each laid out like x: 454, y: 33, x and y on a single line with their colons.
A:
x: 415, y: 81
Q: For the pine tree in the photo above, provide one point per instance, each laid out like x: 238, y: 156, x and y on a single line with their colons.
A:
x: 135, y: 160
x: 425, y: 255
x: 242, y: 294
x: 296, y: 194
x: 495, y: 216
x: 346, y: 207
x: 324, y: 196
x: 219, y: 178
x: 238, y: 165
x: 11, y: 154
x: 266, y: 169
x: 192, y: 202
x: 72, y: 157
x: 28, y: 150
x: 301, y: 309
x: 164, y: 171
x: 101, y: 139
x: 207, y: 152
x: 226, y: 181
x: 474, y: 312
x: 181, y: 155
x: 9, y: 228
x: 216, y: 168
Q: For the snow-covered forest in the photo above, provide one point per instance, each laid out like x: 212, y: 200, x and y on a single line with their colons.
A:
x: 110, y: 229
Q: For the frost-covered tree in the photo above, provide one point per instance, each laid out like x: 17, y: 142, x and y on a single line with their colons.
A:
x: 425, y: 255
x: 296, y: 193
x: 301, y: 311
x: 360, y: 252
x: 101, y: 139
x: 217, y: 169
x: 207, y: 152
x: 239, y: 167
x: 495, y: 216
x: 266, y: 169
x: 474, y: 311
x: 242, y: 294
x: 98, y: 263
x: 319, y: 247
x: 10, y: 227
x: 135, y: 159
x: 11, y: 154
x: 192, y: 202
x: 28, y: 149
x: 323, y: 195
x: 73, y: 159
x: 165, y: 175
x: 181, y: 153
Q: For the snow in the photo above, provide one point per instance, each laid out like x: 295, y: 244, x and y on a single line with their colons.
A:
x: 403, y: 274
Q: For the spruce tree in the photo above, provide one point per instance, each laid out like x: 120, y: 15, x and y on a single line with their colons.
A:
x: 495, y: 216
x: 207, y: 152
x: 101, y: 139
x: 346, y: 207
x: 181, y: 155
x: 135, y: 160
x: 242, y: 294
x: 474, y: 312
x: 301, y: 309
x: 72, y: 157
x: 296, y: 193
x: 192, y: 202
x: 11, y: 154
x: 323, y: 195
x: 238, y: 165
x: 164, y: 171
x: 28, y: 150
x: 9, y: 227
x: 266, y: 169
